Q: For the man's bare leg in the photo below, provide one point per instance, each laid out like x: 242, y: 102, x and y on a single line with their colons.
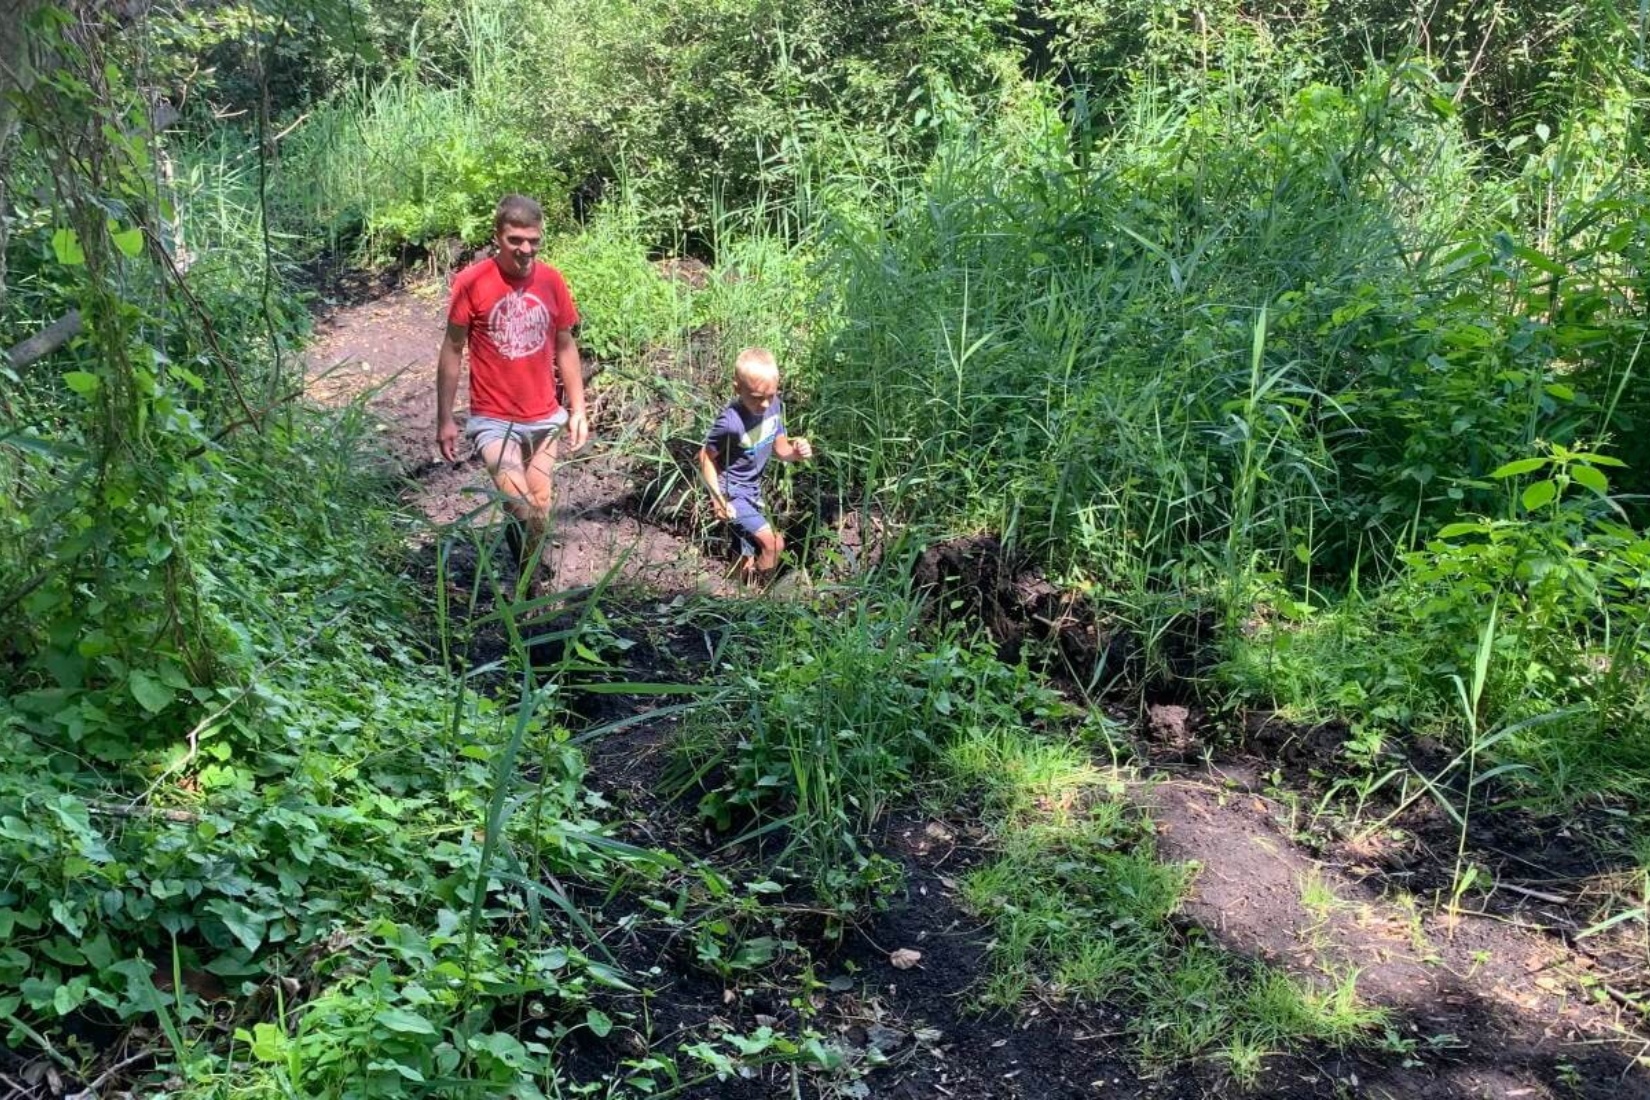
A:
x: 535, y: 515
x: 526, y: 484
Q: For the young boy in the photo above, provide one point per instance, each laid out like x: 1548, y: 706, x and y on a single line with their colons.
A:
x: 750, y: 429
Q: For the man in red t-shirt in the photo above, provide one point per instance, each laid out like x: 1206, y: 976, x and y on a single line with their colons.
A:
x: 516, y: 316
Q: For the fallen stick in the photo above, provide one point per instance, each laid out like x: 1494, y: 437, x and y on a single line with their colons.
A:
x: 44, y: 342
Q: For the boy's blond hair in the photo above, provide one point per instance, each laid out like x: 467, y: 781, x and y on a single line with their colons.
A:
x: 755, y: 363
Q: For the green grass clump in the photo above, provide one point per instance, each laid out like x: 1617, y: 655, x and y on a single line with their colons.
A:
x: 1081, y: 910
x: 1028, y: 782
x: 836, y: 712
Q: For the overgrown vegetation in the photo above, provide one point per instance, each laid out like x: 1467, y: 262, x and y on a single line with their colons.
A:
x: 1315, y: 332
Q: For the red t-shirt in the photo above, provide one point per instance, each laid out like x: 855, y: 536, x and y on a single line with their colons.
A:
x: 513, y: 325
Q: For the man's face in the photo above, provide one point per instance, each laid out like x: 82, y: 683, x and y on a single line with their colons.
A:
x: 757, y: 393
x: 517, y: 246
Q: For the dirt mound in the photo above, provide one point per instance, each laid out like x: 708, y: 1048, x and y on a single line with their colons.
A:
x: 1493, y: 1007
x: 978, y: 579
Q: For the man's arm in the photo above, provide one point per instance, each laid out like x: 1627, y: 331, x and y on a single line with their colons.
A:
x: 449, y: 364
x: 712, y: 479
x: 786, y: 449
x: 571, y: 373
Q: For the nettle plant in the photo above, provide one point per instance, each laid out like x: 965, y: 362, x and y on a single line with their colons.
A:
x: 1572, y: 572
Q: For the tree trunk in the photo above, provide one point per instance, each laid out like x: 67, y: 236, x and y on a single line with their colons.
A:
x: 16, y: 74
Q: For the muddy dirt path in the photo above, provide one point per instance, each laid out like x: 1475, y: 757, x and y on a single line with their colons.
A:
x: 1494, y: 1004
x: 1483, y: 1001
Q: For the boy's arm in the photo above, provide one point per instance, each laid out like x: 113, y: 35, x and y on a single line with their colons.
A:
x: 712, y: 479
x: 786, y: 449
x: 571, y: 373
x: 449, y: 364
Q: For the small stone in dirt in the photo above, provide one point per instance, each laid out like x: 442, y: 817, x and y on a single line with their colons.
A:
x: 904, y: 958
x: 884, y: 1039
x: 1171, y: 725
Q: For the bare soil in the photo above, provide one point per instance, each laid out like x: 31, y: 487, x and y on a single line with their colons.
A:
x: 1493, y: 997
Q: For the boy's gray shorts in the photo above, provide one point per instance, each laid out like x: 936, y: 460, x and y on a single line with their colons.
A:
x: 529, y: 435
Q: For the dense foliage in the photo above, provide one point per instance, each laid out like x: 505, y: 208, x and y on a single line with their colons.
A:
x: 1317, y: 329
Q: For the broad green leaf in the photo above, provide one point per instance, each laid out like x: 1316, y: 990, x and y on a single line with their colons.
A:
x: 67, y: 998
x: 1591, y: 478
x: 66, y: 246
x: 1520, y: 466
x: 407, y: 1023
x: 244, y: 924
x: 45, y: 448
x: 1537, y: 260
x: 82, y: 382
x: 501, y: 1045
x: 396, y: 1067
x: 1538, y: 494
x: 71, y: 917
x: 269, y: 1043
x: 1452, y: 530
x: 152, y: 695
x: 818, y: 1054
x: 130, y: 241
x: 599, y: 1022
x: 99, y: 952
x: 188, y: 377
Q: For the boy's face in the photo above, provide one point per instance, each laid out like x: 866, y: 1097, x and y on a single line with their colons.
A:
x: 517, y: 246
x: 756, y: 392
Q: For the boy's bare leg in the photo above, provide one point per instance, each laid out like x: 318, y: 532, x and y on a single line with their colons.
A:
x: 769, y: 543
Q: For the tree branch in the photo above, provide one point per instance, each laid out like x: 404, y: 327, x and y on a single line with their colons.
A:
x: 44, y: 342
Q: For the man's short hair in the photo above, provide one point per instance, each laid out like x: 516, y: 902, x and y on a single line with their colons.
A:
x: 517, y: 210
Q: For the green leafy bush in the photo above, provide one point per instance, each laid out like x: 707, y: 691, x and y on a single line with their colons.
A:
x: 626, y: 306
x: 833, y: 720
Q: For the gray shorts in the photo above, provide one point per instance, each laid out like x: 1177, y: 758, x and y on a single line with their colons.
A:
x: 529, y: 435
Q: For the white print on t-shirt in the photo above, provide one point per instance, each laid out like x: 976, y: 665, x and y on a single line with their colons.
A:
x: 518, y: 324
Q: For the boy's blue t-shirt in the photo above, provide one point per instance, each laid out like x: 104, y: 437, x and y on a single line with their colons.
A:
x: 742, y: 441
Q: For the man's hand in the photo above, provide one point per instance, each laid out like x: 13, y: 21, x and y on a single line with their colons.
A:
x: 801, y: 449
x: 446, y: 438
x: 723, y: 507
x: 578, y: 430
